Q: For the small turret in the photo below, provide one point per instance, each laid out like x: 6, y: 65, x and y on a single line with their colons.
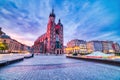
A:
x: 59, y: 22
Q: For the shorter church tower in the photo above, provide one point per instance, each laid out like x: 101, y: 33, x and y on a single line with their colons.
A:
x: 59, y: 38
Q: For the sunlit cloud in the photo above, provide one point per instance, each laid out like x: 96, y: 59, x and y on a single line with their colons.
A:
x: 26, y: 20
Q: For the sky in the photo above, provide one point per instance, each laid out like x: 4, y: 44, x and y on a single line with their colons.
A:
x: 26, y: 20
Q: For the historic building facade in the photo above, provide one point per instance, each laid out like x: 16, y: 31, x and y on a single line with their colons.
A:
x: 13, y: 45
x: 52, y: 40
x: 108, y: 46
x: 102, y: 46
x: 76, y: 46
x: 94, y: 46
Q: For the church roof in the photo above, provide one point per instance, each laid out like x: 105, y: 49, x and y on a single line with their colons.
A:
x: 5, y: 36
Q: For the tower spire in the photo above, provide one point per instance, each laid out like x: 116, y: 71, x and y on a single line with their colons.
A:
x: 52, y: 13
x: 59, y: 21
x: 52, y: 10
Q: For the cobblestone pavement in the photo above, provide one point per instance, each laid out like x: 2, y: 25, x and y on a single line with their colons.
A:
x: 7, y: 57
x: 58, y: 68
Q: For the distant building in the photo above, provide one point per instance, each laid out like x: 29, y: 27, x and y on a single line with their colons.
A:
x: 13, y: 45
x: 52, y: 40
x: 74, y: 42
x: 90, y: 47
x: 93, y: 46
x: 105, y: 46
x: 83, y: 47
x: 116, y: 47
x: 108, y: 47
x: 76, y: 46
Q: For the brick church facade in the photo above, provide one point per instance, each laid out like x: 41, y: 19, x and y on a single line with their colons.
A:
x: 52, y: 40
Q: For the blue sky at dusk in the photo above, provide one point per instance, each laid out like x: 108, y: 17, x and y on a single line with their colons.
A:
x: 26, y: 20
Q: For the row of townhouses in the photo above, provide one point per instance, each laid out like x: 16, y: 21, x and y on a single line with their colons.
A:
x: 83, y: 47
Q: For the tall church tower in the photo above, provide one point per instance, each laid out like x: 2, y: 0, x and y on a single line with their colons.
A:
x: 51, y: 32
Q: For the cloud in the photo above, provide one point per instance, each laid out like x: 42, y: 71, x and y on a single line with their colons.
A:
x: 27, y: 19
x: 20, y: 24
x: 95, y: 19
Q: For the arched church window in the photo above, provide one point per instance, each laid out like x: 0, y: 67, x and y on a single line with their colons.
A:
x: 57, y: 37
x: 57, y: 31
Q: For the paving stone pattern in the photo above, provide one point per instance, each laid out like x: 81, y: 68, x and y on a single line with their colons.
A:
x: 58, y: 68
